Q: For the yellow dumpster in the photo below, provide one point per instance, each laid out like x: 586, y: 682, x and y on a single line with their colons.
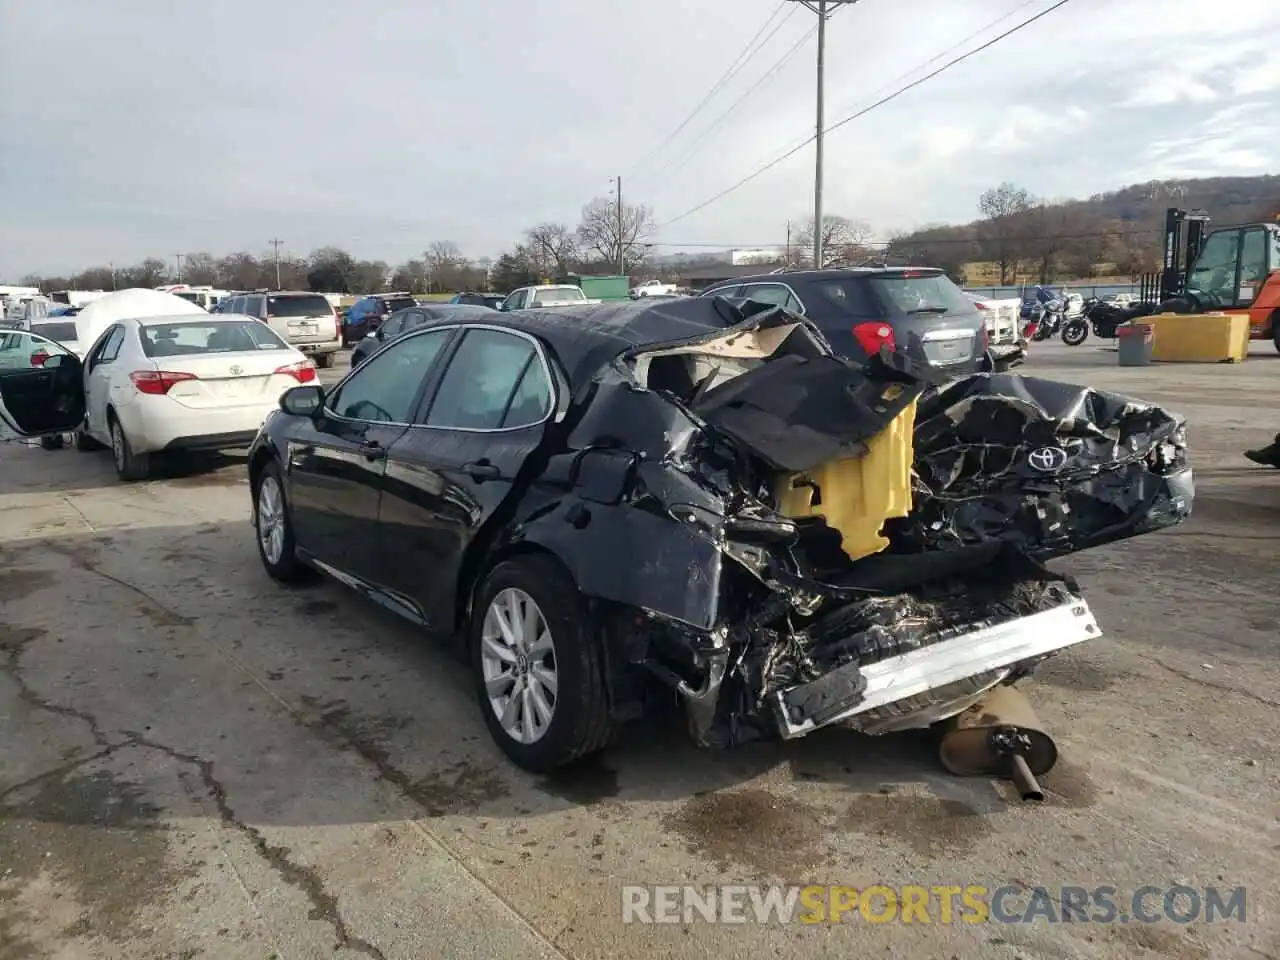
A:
x: 1199, y: 337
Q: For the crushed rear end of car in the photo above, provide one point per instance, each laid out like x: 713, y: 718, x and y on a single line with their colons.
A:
x: 790, y: 540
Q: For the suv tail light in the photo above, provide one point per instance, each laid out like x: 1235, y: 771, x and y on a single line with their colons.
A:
x: 39, y: 357
x: 303, y: 371
x: 158, y: 382
x: 873, y: 336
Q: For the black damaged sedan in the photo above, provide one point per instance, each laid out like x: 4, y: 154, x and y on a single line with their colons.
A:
x: 614, y: 503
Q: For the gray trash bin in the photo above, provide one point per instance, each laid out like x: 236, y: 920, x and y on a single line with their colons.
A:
x: 1134, y: 342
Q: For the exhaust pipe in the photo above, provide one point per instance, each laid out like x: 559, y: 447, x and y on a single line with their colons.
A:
x: 1000, y: 736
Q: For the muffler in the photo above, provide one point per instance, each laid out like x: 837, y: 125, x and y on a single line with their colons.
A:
x: 1000, y: 736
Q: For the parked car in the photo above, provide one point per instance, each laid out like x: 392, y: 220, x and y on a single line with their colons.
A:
x: 366, y: 314
x: 1005, y: 342
x: 545, y: 295
x: 406, y: 321
x: 863, y: 310
x: 491, y: 300
x: 177, y: 384
x: 652, y: 288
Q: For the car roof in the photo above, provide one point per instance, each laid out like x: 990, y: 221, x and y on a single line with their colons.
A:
x: 831, y: 273
x: 587, y: 337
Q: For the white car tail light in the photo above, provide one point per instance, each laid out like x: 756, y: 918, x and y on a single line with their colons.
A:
x: 157, y: 383
x: 304, y: 371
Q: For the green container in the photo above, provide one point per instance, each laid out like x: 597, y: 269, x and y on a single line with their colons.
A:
x: 602, y: 288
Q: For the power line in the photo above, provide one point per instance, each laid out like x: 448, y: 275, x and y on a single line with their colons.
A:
x: 702, y: 138
x: 734, y: 68
x: 865, y: 110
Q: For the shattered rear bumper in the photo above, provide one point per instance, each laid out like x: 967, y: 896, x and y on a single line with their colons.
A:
x: 987, y: 654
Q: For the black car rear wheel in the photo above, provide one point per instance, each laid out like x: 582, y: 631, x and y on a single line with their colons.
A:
x: 538, y: 665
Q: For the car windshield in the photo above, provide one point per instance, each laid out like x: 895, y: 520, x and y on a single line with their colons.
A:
x: 208, y: 336
x: 931, y: 293
x: 480, y: 299
x: 558, y: 295
x: 61, y: 332
x: 316, y: 306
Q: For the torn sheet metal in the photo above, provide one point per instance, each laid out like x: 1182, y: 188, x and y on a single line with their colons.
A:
x: 1049, y: 467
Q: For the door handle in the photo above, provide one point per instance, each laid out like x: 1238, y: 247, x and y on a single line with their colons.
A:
x: 373, y: 450
x: 479, y: 470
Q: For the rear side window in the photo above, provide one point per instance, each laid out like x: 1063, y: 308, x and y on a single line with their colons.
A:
x: 485, y: 381
x: 927, y: 294
x: 561, y: 295
x: 774, y: 293
x: 400, y: 303
x: 848, y: 296
x: 195, y: 337
x: 61, y: 332
x: 316, y: 306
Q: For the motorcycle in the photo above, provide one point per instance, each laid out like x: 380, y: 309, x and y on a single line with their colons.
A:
x: 1049, y: 318
x: 1102, y: 319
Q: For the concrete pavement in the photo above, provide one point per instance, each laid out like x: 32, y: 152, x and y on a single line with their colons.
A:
x: 195, y: 761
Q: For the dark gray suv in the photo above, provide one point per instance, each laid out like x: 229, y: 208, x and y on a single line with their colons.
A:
x: 861, y: 309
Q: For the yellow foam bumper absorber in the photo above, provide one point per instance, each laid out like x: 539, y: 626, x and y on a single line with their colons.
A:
x: 857, y: 495
x: 1199, y: 337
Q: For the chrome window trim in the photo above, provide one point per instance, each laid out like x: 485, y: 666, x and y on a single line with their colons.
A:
x: 552, y: 382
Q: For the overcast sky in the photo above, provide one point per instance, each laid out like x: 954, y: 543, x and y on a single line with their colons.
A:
x: 135, y: 128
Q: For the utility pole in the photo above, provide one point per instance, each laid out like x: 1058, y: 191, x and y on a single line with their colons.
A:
x: 275, y: 244
x: 622, y: 265
x: 178, y: 257
x: 788, y: 259
x: 824, y: 9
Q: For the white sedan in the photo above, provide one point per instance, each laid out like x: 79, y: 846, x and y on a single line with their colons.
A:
x: 182, y: 383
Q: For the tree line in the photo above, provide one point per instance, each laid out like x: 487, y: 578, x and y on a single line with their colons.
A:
x: 1019, y: 236
x: 604, y: 236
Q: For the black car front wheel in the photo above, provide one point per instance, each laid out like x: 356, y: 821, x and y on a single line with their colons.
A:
x: 274, y: 528
x: 538, y: 665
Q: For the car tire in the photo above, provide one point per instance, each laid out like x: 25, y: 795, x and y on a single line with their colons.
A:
x: 324, y: 361
x: 130, y: 466
x: 52, y: 442
x: 85, y: 443
x: 273, y: 530
x: 580, y: 720
x: 1275, y: 329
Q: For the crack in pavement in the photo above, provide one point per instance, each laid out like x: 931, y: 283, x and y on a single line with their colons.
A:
x: 1226, y: 688
x: 13, y: 641
x: 324, y: 905
x: 80, y: 561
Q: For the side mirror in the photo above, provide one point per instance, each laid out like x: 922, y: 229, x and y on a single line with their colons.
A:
x: 304, y: 401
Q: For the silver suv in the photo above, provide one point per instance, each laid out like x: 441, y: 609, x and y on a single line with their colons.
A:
x: 305, y: 320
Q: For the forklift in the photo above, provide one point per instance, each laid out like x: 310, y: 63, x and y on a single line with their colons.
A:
x: 1230, y: 270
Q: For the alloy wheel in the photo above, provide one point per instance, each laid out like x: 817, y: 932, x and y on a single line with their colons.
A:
x: 271, y: 520
x: 518, y: 659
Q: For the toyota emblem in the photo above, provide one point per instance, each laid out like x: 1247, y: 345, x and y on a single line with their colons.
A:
x: 237, y: 370
x: 1047, y: 459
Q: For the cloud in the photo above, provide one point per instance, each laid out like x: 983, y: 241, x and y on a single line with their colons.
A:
x: 383, y: 129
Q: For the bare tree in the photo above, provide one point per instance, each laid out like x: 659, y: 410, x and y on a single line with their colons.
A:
x: 1002, y: 206
x: 845, y: 242
x: 608, y: 232
x: 556, y: 244
x: 200, y: 269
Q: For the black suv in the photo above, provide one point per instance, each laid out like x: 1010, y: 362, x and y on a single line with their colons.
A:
x: 367, y: 314
x: 860, y: 310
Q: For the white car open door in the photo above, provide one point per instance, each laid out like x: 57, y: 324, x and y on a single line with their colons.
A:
x: 41, y: 385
